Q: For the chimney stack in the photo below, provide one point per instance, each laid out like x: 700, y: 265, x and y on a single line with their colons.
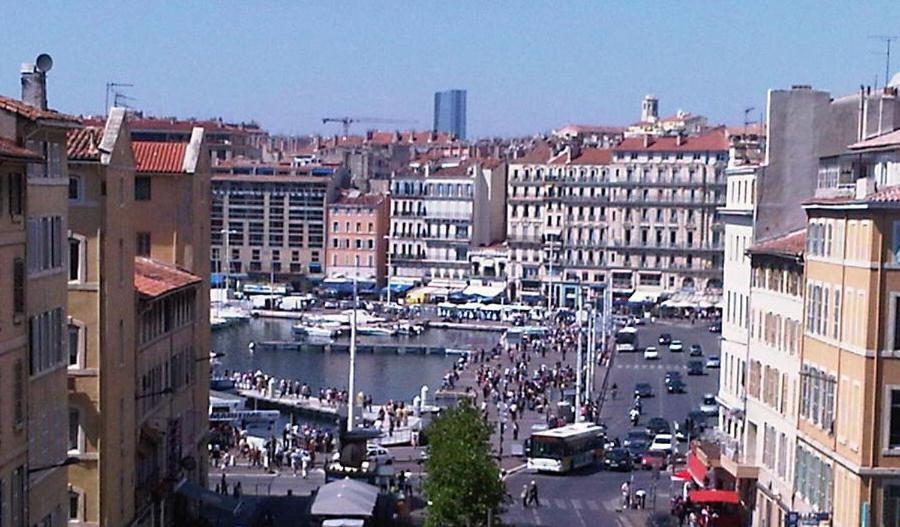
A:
x: 34, y: 86
x: 679, y: 139
x: 647, y: 141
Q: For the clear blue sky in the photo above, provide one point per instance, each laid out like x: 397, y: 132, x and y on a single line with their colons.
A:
x: 527, y: 66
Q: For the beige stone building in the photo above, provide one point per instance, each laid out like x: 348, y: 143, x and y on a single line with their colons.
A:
x: 357, y: 227
x: 33, y: 404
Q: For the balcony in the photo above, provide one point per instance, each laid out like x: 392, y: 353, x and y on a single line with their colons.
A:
x: 733, y: 458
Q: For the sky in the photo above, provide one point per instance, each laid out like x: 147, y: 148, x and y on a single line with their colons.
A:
x: 528, y: 66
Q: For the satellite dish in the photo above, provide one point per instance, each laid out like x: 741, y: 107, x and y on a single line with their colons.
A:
x: 44, y: 62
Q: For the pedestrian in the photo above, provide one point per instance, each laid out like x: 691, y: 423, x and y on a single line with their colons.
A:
x: 237, y: 489
x: 224, y: 485
x: 304, y: 464
x: 525, y: 496
x: 515, y: 431
x: 533, y: 494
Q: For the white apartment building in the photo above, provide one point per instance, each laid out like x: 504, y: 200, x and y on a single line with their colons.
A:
x: 441, y: 211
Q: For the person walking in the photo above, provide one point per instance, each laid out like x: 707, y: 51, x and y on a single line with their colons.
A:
x: 515, y: 431
x: 525, y: 496
x: 533, y: 494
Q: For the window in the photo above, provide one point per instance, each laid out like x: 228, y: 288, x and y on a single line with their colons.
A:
x: 75, y: 344
x: 19, y: 394
x: 893, y: 427
x: 76, y: 258
x: 45, y: 244
x: 75, y: 436
x: 75, y: 505
x: 142, y: 247
x: 18, y: 292
x: 16, y: 190
x: 75, y: 188
x: 142, y: 188
x: 895, y: 245
x: 45, y: 336
x: 52, y: 165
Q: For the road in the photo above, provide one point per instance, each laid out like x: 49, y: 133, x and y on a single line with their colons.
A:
x: 592, y: 497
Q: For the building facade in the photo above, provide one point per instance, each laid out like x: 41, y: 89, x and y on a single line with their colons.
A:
x: 450, y: 112
x: 357, y: 236
x: 274, y: 221
x: 439, y: 212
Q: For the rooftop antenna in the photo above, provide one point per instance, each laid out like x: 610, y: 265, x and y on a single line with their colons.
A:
x: 110, y: 88
x: 119, y: 98
x: 887, y: 39
x: 747, y: 120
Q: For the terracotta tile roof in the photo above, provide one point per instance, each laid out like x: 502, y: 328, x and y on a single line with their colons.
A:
x: 159, y: 157
x: 539, y: 154
x: 885, y: 196
x: 713, y: 141
x: 30, y: 112
x: 82, y: 143
x: 881, y: 141
x: 10, y: 150
x: 793, y: 243
x: 153, y: 278
x: 587, y: 156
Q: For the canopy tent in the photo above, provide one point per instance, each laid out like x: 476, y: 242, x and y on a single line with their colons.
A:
x: 396, y: 288
x: 714, y: 496
x: 643, y: 296
x: 345, y: 498
x: 682, y: 475
x: 484, y: 292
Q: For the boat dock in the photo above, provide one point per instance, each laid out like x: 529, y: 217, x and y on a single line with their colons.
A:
x: 321, y: 410
x: 342, y: 347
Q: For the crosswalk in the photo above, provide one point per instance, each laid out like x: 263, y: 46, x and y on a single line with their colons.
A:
x: 576, y: 504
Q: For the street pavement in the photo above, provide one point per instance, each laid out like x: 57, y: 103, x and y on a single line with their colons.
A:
x: 592, y: 497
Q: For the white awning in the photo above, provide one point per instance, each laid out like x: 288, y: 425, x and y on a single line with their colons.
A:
x: 641, y: 296
x: 485, y: 291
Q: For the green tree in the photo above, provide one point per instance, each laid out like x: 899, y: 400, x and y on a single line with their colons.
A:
x: 463, y: 481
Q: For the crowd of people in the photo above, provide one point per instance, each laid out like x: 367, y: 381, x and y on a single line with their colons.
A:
x: 274, y: 387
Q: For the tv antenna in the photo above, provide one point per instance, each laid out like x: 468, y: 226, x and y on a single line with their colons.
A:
x: 111, y: 88
x: 747, y: 120
x: 887, y: 39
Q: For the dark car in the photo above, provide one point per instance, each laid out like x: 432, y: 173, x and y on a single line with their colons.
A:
x: 639, y: 435
x: 665, y: 339
x: 676, y: 386
x: 697, y: 421
x: 695, y: 367
x: 696, y: 350
x: 637, y: 449
x: 672, y: 375
x: 643, y: 390
x: 654, y: 459
x: 658, y: 425
x: 618, y: 459
x: 715, y: 328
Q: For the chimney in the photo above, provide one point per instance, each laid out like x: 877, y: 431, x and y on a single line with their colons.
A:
x: 647, y: 141
x: 679, y: 139
x: 34, y: 86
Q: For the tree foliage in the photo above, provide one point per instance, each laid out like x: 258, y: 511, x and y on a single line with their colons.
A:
x: 463, y: 481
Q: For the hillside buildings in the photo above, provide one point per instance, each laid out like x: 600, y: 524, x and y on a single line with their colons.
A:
x: 450, y: 112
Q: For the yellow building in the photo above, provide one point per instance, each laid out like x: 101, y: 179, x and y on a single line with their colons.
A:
x: 101, y: 319
x: 848, y: 444
x: 32, y: 359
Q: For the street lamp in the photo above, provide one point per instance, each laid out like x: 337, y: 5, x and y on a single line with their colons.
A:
x: 68, y: 461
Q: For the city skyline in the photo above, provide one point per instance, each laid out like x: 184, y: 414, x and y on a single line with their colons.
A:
x: 310, y: 74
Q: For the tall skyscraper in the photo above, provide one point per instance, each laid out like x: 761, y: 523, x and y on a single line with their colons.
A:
x: 450, y: 112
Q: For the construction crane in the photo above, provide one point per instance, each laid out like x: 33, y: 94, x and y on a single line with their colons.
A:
x: 347, y: 121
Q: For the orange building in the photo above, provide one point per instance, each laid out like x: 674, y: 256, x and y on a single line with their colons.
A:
x: 357, y: 236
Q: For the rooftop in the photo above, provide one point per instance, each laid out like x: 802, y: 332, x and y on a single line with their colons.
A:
x: 10, y: 150
x: 538, y: 154
x: 82, y: 143
x: 713, y: 141
x: 356, y: 198
x: 791, y: 244
x: 159, y: 157
x: 30, y: 112
x: 587, y: 156
x: 890, y: 139
x: 153, y: 278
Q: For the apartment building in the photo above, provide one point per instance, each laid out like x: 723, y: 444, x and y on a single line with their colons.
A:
x: 640, y: 217
x: 34, y: 365
x: 274, y: 217
x: 100, y: 323
x: 439, y: 211
x: 591, y: 135
x: 357, y: 236
x: 171, y: 332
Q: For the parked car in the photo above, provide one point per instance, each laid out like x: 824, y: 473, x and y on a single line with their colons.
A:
x: 379, y: 454
x: 654, y: 459
x: 715, y: 327
x: 658, y: 425
x: 650, y: 353
x: 697, y: 420
x: 695, y: 367
x: 676, y: 386
x: 665, y: 339
x: 618, y: 459
x: 709, y: 406
x: 696, y: 350
x: 672, y: 375
x: 676, y: 346
x: 662, y: 443
x: 643, y: 390
x: 713, y: 362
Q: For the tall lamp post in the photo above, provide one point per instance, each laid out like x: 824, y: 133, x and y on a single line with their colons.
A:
x: 226, y: 233
x: 387, y: 237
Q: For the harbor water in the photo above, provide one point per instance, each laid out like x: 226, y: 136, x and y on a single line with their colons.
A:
x: 383, y: 375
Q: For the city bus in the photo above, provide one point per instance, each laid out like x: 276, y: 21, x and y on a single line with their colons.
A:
x: 565, y: 448
x: 627, y: 339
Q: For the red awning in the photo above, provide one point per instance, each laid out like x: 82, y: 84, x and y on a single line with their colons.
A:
x: 696, y: 468
x: 681, y: 475
x: 714, y: 496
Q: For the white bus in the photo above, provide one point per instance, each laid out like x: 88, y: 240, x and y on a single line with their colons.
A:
x: 566, y: 448
x: 627, y: 339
